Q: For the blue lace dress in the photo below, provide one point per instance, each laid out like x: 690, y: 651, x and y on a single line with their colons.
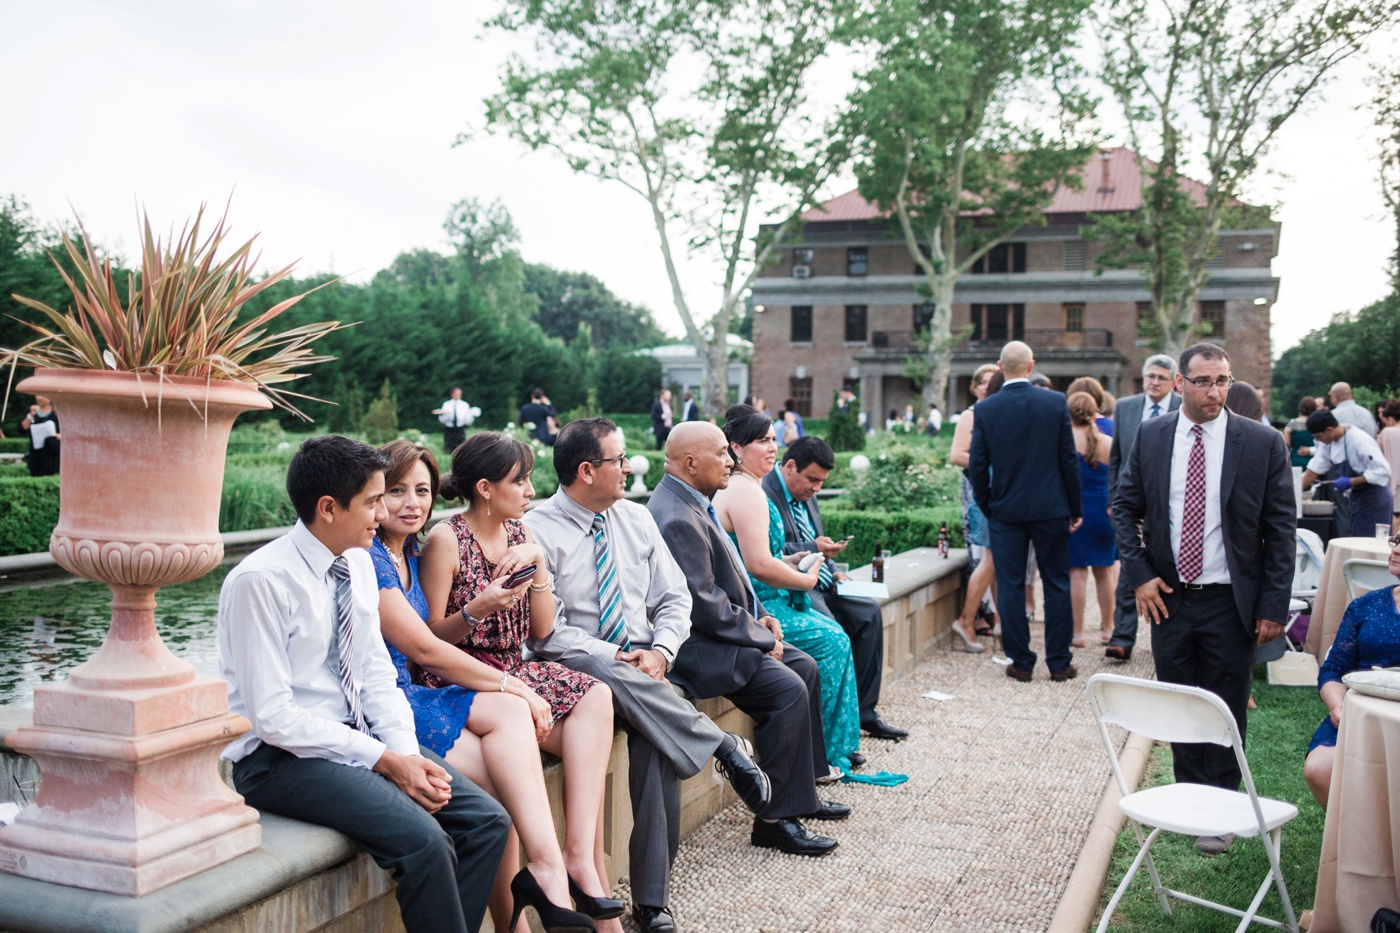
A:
x: 439, y: 714
x: 820, y: 636
x: 1369, y: 636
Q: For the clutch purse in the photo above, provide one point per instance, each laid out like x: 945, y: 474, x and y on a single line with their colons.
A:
x: 1383, y: 682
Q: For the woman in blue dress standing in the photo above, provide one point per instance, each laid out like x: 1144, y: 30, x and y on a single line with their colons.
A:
x: 751, y: 518
x: 1093, y: 544
x: 483, y: 724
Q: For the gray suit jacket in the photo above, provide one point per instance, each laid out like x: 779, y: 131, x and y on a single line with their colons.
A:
x: 1127, y: 418
x: 726, y: 643
x: 1256, y: 516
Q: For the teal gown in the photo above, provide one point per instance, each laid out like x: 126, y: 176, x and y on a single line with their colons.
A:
x: 820, y: 636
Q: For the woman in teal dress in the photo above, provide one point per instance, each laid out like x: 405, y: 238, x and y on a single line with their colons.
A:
x: 752, y: 519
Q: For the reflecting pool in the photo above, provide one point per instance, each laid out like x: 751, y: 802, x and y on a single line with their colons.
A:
x: 48, y: 627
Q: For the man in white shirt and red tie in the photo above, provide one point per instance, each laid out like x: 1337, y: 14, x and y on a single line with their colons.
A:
x: 332, y: 739
x: 1205, y: 522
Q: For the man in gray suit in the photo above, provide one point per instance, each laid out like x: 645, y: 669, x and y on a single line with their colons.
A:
x: 1205, y: 523
x: 793, y: 487
x: 735, y: 648
x: 1155, y: 400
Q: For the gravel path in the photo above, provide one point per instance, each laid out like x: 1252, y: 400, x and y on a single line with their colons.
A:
x: 1003, y: 782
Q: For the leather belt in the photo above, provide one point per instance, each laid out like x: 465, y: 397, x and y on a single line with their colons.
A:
x: 1202, y: 586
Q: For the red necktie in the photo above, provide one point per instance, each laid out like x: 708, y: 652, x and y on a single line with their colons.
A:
x: 1193, y: 511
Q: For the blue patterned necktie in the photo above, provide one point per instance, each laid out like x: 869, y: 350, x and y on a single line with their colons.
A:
x: 611, y: 624
x: 343, y: 645
x: 808, y: 533
x: 1156, y: 410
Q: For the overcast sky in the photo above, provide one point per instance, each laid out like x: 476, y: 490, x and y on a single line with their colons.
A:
x: 332, y: 125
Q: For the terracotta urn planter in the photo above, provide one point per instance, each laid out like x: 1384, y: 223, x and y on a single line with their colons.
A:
x: 131, y: 798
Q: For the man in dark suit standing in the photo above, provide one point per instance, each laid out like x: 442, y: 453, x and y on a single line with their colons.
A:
x: 1026, y: 481
x: 735, y: 648
x: 1155, y: 399
x: 1205, y: 522
x: 793, y: 487
x: 690, y: 408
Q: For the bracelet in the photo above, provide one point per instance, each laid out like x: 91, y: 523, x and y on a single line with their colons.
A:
x: 542, y: 586
x: 503, y: 681
x: 471, y: 620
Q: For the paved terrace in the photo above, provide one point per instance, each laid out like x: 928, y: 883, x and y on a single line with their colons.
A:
x: 1004, y: 781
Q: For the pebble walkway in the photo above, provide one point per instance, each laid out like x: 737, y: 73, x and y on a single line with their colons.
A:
x: 1004, y: 779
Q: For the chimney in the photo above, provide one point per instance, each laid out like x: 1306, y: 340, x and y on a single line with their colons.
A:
x: 1106, y: 183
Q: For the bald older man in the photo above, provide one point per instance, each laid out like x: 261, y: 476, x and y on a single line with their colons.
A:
x: 1026, y: 481
x: 1346, y: 411
x: 735, y: 648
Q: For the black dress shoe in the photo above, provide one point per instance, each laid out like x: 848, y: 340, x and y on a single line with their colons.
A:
x: 829, y: 810
x: 654, y: 919
x: 790, y: 836
x: 1118, y: 653
x: 856, y: 759
x: 878, y: 728
x: 1015, y: 673
x: 1068, y: 672
x: 748, y: 780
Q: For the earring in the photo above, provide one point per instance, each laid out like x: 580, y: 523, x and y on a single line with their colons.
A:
x: 488, y: 508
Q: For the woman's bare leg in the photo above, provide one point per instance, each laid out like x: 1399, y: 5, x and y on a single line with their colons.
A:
x: 1106, y: 584
x: 1317, y: 771
x: 1078, y: 586
x: 584, y: 740
x: 977, y: 583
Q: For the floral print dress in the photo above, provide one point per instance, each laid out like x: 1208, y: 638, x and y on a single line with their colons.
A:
x: 500, y: 636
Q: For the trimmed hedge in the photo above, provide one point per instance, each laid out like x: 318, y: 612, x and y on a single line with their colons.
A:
x: 896, y: 531
x: 28, y: 514
x: 14, y: 445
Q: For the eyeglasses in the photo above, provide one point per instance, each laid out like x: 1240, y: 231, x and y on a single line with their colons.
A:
x: 1202, y: 382
x: 619, y: 459
x: 1393, y: 541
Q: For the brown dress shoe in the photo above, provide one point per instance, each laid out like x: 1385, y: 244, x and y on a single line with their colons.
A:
x: 1118, y: 653
x: 1068, y: 672
x: 1015, y: 673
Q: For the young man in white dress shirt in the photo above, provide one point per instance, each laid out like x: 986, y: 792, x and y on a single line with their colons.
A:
x: 332, y: 739
x: 668, y: 739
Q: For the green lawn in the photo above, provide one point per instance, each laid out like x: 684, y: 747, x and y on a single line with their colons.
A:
x: 1279, y: 731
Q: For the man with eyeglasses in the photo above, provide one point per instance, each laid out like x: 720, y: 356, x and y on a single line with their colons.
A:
x: 1206, y: 529
x: 1155, y: 399
x: 622, y: 612
x: 1364, y: 472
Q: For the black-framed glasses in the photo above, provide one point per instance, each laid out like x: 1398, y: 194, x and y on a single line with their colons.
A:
x: 1202, y: 382
x: 1393, y: 541
x: 619, y: 459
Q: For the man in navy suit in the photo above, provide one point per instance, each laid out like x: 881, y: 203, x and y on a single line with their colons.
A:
x: 1026, y: 481
x: 1131, y: 413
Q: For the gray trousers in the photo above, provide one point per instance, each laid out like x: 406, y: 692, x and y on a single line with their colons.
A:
x: 668, y: 740
x: 444, y: 862
x: 1125, y: 617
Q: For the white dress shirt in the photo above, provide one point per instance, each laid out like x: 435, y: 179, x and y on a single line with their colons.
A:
x: 1357, y: 450
x: 457, y: 414
x: 1349, y: 412
x: 277, y: 617
x: 1214, y: 569
x: 655, y: 598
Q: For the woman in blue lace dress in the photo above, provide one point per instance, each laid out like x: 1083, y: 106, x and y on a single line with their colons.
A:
x: 1092, y: 545
x: 485, y: 726
x: 1368, y: 637
x: 752, y: 519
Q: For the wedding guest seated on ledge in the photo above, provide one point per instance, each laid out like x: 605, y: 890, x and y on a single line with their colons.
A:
x: 332, y: 739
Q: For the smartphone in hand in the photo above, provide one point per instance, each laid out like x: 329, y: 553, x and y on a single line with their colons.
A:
x: 520, y: 576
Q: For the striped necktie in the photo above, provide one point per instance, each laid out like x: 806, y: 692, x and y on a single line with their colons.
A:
x: 343, y: 645
x: 1190, y: 557
x: 611, y: 624
x: 808, y: 533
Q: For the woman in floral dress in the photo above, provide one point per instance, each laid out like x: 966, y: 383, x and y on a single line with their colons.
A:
x: 466, y: 562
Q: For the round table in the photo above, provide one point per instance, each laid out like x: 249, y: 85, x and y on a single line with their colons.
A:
x: 1356, y: 873
x: 1332, y: 596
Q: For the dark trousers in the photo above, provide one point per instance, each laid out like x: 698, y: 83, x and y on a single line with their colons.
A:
x: 864, y: 623
x: 1204, y: 644
x: 662, y: 432
x: 1370, y: 506
x: 444, y: 863
x: 452, y: 438
x: 1125, y: 617
x: 1011, y: 542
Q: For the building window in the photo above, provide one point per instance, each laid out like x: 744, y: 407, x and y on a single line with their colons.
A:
x: 800, y: 391
x: 802, y: 324
x: 1146, y: 326
x: 1074, y: 318
x: 998, y: 323
x: 857, y: 261
x: 1076, y: 256
x: 802, y: 255
x: 1213, y: 318
x: 855, y: 324
x: 923, y: 318
x: 1004, y: 257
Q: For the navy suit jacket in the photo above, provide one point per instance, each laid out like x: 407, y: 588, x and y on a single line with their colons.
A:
x: 1022, y: 464
x: 1257, y: 515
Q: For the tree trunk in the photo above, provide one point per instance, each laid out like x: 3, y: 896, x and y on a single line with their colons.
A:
x: 940, y: 345
x: 715, y: 357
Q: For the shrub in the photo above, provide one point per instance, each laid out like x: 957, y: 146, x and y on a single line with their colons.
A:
x: 255, y: 496
x: 381, y: 421
x: 14, y: 445
x: 28, y: 513
x: 845, y: 432
x: 896, y: 531
x: 904, y: 478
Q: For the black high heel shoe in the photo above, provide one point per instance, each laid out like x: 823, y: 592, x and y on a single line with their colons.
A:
x: 599, y: 908
x: 555, y: 919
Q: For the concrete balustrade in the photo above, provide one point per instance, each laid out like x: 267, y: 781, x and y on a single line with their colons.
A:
x: 308, y: 878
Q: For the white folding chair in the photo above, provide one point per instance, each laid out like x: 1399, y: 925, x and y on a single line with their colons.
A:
x: 1364, y: 575
x: 1307, y: 565
x: 1173, y: 713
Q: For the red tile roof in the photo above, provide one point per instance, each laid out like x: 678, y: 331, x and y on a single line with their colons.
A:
x: 1112, y: 182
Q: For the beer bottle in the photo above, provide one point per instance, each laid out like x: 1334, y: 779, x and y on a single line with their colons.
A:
x: 877, y: 566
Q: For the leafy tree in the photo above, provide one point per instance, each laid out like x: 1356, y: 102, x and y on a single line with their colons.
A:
x: 1359, y: 348
x: 569, y: 299
x: 626, y: 381
x: 698, y: 108
x: 1207, y: 84
x: 381, y: 422
x: 1385, y: 106
x: 843, y: 430
x: 965, y: 121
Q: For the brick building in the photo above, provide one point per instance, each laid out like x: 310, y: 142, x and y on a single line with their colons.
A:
x: 841, y: 307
